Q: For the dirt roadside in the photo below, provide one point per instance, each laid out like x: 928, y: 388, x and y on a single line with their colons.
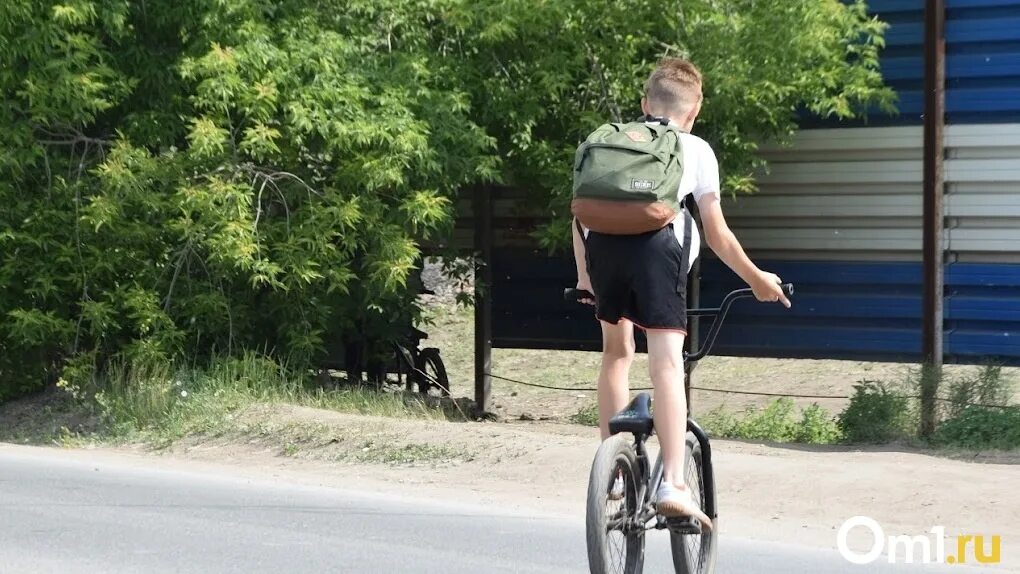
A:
x: 767, y: 492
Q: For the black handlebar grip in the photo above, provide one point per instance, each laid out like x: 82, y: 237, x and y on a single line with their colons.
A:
x: 788, y: 289
x: 576, y: 295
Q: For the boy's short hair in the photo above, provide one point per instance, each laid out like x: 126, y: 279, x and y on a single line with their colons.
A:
x: 675, y: 84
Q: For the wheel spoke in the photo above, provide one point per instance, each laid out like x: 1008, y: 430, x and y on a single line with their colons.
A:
x: 617, y: 516
x: 694, y: 542
x: 616, y: 541
x: 616, y: 524
x: 618, y: 551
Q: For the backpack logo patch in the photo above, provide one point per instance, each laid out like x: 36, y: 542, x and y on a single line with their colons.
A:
x: 642, y: 184
x: 639, y: 136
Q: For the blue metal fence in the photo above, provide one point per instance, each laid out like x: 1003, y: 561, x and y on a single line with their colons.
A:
x: 841, y: 310
x: 872, y: 310
x: 982, y: 59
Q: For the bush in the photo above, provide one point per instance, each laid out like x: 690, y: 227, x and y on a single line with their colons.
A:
x: 776, y: 423
x: 981, y: 428
x: 817, y: 426
x: 876, y: 414
x: 987, y: 387
x: 229, y: 189
x: 587, y: 415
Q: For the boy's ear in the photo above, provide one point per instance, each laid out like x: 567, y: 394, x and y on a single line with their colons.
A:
x: 644, y: 106
x: 692, y: 116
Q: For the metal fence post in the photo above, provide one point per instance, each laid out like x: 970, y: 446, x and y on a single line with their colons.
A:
x: 483, y: 297
x: 934, y: 187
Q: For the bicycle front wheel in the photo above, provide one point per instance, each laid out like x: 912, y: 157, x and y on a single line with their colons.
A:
x: 695, y: 553
x: 431, y: 373
x: 616, y: 542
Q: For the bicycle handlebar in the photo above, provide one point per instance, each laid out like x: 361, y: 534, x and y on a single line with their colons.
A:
x: 577, y: 295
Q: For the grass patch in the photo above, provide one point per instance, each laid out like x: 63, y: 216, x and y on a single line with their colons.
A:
x: 160, y: 403
x: 974, y: 410
x: 409, y: 454
x: 975, y: 413
x: 777, y: 422
x: 989, y: 386
x: 587, y: 415
x: 981, y: 428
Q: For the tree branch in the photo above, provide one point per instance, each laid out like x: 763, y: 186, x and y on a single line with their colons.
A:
x: 596, y: 68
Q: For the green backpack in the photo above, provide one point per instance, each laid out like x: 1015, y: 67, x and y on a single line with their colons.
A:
x: 627, y: 177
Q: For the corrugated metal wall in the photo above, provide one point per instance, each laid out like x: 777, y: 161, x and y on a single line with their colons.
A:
x: 982, y: 59
x: 840, y: 212
x: 855, y: 194
x: 840, y: 215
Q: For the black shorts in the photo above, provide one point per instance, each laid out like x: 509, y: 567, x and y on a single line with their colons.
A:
x: 641, y: 278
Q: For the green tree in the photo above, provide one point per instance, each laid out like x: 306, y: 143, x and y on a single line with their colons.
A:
x: 547, y: 73
x: 194, y: 177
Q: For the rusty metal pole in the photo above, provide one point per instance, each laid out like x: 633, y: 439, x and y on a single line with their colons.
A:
x: 483, y: 298
x: 693, y: 301
x: 934, y: 187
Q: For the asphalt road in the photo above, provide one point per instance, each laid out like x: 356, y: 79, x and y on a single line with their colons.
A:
x: 60, y: 514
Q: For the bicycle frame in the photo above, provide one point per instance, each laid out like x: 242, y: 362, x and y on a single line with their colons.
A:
x: 706, y: 458
x: 647, y: 512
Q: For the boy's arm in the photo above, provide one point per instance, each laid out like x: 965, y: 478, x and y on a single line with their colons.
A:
x: 583, y: 280
x: 720, y: 238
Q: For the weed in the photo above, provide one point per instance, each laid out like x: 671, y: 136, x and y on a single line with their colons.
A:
x: 774, y: 422
x: 587, y: 415
x: 777, y: 422
x: 981, y: 428
x: 988, y: 386
x: 876, y: 414
x: 159, y: 402
x: 817, y: 426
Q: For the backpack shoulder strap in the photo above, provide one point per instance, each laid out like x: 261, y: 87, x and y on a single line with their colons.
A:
x: 685, y: 249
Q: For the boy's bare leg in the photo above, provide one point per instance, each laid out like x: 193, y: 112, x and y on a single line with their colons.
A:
x: 666, y: 369
x: 613, y: 382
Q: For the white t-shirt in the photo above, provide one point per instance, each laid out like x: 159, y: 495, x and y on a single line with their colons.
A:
x: 701, y: 178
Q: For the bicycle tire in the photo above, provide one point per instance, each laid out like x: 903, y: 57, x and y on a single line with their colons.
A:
x: 430, y: 363
x: 607, y: 554
x: 695, y: 554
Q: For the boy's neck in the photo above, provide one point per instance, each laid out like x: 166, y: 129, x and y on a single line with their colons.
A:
x: 684, y: 126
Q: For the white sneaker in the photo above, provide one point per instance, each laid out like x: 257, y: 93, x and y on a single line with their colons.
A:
x: 673, y: 502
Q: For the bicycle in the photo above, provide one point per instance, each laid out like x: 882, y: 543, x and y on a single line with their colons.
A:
x: 401, y: 362
x: 694, y: 548
x: 414, y: 367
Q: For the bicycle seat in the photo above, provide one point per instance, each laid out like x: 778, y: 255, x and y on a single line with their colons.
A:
x: 636, y: 418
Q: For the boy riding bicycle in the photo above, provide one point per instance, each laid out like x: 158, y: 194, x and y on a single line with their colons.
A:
x: 634, y: 257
